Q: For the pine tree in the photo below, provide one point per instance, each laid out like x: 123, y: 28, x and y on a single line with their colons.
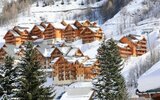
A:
x: 31, y: 81
x: 7, y: 78
x: 110, y: 84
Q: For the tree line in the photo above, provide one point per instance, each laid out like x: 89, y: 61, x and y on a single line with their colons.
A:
x: 11, y: 10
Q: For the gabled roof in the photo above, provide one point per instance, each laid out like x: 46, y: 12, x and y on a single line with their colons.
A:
x: 72, y: 26
x: 74, y: 59
x: 14, y: 33
x: 122, y: 45
x: 11, y: 49
x: 41, y: 28
x: 28, y: 26
x: 64, y: 50
x: 58, y: 26
x: 46, y: 52
x: 94, y: 29
x: 73, y: 51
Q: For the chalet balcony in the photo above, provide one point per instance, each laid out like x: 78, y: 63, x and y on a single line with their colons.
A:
x: 140, y: 53
x: 143, y: 45
x: 9, y: 38
x: 126, y: 52
x: 141, y: 50
x: 144, y: 42
x: 98, y: 35
x: 124, y: 56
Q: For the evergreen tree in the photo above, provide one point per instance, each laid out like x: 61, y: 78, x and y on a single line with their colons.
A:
x: 110, y: 84
x: 7, y: 78
x: 31, y: 81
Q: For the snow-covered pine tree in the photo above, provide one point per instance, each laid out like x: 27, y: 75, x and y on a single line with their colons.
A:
x: 31, y: 81
x: 110, y: 84
x: 7, y: 78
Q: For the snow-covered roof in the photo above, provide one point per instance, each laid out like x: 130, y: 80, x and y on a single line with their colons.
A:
x: 41, y: 28
x: 89, y: 62
x: 72, y: 52
x: 34, y: 37
x: 58, y: 26
x: 74, y: 59
x: 77, y: 94
x: 74, y: 27
x: 21, y: 28
x: 46, y: 52
x: 11, y: 49
x: 94, y: 29
x: 75, y: 91
x: 64, y: 50
x: 54, y: 60
x: 69, y: 21
x: 14, y: 33
x: 28, y: 26
x: 150, y: 80
x: 122, y: 45
x: 134, y: 41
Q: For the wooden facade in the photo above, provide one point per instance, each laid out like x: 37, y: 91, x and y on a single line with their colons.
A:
x: 49, y: 32
x: 40, y: 57
x: 136, y: 46
x: 71, y: 33
x: 23, y: 33
x: 37, y: 32
x: 66, y: 72
x: 12, y: 37
x: 68, y: 31
x: 91, y: 34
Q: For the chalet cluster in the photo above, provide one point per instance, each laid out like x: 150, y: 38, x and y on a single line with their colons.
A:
x: 51, y: 32
x: 132, y: 45
x: 65, y: 63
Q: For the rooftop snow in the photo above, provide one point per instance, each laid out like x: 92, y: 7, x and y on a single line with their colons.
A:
x: 150, y: 80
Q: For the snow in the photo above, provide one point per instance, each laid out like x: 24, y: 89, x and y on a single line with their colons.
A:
x: 122, y: 45
x: 88, y: 49
x: 49, y: 82
x: 74, y: 92
x: 72, y: 52
x: 59, y: 26
x: 150, y: 80
x: 89, y: 62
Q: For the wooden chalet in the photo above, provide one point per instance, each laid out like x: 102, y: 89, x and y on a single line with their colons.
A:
x: 41, y: 58
x: 71, y: 33
x: 91, y: 69
x: 12, y: 37
x: 37, y: 32
x: 49, y: 32
x: 124, y: 50
x: 61, y: 70
x: 23, y: 33
x: 71, y: 69
x: 47, y: 53
x: 136, y: 45
x: 140, y: 44
x: 59, y: 31
x: 86, y: 23
x: 90, y: 34
x: 10, y: 50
